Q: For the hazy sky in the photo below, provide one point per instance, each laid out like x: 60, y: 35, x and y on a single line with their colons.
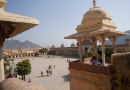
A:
x: 59, y: 18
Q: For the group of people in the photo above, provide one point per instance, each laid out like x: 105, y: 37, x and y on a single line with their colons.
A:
x: 49, y: 71
x: 94, y: 59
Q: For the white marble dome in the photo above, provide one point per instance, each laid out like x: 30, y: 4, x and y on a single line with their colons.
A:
x: 53, y: 46
x: 62, y: 45
x: 96, y: 12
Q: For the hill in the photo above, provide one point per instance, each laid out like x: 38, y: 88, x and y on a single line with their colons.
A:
x: 120, y: 40
x: 16, y: 44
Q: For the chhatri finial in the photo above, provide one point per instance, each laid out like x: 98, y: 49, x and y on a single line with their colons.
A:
x: 94, y: 3
x: 2, y: 4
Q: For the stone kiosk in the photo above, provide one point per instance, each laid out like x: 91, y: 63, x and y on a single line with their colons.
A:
x: 10, y: 26
x: 96, y: 26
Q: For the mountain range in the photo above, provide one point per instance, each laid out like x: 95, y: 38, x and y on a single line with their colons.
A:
x: 120, y: 40
x: 16, y: 44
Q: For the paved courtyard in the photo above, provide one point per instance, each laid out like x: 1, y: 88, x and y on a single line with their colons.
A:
x: 59, y: 78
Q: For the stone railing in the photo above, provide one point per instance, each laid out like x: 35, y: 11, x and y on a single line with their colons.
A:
x: 90, y: 68
x: 17, y: 84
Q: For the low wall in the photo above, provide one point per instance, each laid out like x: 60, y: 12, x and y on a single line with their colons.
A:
x: 90, y: 68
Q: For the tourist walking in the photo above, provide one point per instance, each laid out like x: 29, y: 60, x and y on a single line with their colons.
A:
x: 41, y: 73
x: 47, y: 73
x: 54, y: 66
x: 50, y: 72
x: 29, y: 80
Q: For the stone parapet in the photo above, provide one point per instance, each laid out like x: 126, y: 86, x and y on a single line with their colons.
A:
x: 90, y: 68
x: 121, y: 71
x: 83, y: 80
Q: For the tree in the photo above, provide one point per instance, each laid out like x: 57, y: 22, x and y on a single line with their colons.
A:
x: 24, y: 68
x: 6, y: 63
x: 108, y: 52
x: 43, y: 50
x: 54, y: 52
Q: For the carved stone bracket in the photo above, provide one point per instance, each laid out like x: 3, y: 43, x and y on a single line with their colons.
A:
x: 80, y: 40
x: 6, y: 29
x: 113, y: 38
x: 102, y: 37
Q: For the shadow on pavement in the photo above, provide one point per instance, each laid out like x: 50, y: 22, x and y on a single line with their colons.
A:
x: 42, y: 76
x: 66, y: 78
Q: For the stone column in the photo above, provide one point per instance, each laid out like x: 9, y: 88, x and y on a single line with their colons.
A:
x: 113, y: 39
x: 114, y: 47
x: 80, y: 52
x: 93, y: 51
x: 103, y: 53
x: 2, y: 76
x: 80, y: 40
x: 102, y: 39
x: 93, y: 40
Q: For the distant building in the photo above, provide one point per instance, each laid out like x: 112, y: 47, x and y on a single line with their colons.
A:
x: 70, y: 51
x: 120, y: 48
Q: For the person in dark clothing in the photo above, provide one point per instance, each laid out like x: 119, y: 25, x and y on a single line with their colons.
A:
x: 100, y: 53
x: 47, y: 73
x: 29, y: 80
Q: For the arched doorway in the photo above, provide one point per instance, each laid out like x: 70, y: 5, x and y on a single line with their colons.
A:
x: 86, y: 50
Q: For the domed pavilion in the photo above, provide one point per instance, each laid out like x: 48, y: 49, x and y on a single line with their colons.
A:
x: 96, y: 26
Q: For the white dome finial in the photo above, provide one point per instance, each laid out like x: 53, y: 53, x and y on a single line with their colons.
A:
x: 2, y: 4
x: 94, y: 3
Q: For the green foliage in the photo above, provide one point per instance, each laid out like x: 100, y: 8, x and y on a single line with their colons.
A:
x: 86, y: 55
x: 108, y: 51
x: 6, y: 70
x: 6, y: 59
x: 90, y: 54
x: 43, y: 50
x: 54, y: 52
x: 24, y: 67
x: 6, y: 63
x: 97, y: 55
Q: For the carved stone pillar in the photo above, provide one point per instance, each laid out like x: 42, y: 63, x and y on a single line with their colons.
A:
x: 102, y: 39
x: 80, y: 52
x: 113, y: 39
x: 6, y: 29
x: 2, y: 76
x: 103, y: 53
x: 93, y: 40
x: 80, y: 40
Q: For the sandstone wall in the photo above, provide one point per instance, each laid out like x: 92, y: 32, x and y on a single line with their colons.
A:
x: 120, y: 71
